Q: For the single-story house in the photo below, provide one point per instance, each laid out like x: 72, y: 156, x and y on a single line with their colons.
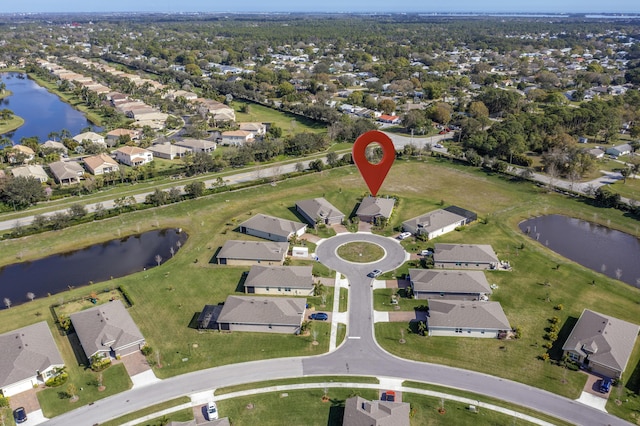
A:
x: 596, y: 153
x: 217, y: 110
x: 28, y: 357
x: 236, y: 137
x: 391, y: 119
x: 168, y: 151
x: 272, y: 228
x: 602, y: 343
x: 235, y: 252
x: 113, y: 137
x: 255, y: 128
x: 618, y: 150
x: 34, y: 171
x: 361, y: 412
x: 133, y: 156
x: 262, y: 314
x: 197, y: 145
x: 372, y: 209
x: 26, y: 154
x: 92, y: 137
x: 319, y: 209
x: 66, y: 172
x: 435, y: 223
x: 107, y: 330
x: 468, y: 256
x: 55, y: 146
x: 452, y: 284
x: 101, y: 164
x: 284, y: 280
x: 466, y: 319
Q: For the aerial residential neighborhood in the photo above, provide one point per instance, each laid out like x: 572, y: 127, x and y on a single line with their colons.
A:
x: 187, y: 239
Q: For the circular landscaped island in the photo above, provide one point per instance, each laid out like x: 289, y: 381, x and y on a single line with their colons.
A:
x: 360, y: 252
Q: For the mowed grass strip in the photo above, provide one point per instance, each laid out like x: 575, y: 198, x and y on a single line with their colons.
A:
x: 309, y: 379
x: 150, y: 410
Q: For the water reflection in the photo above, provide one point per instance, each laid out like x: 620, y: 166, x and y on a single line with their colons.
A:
x: 597, y: 247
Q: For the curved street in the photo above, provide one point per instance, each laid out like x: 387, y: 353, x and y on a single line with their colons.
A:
x: 359, y: 355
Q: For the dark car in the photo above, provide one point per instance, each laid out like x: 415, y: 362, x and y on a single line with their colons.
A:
x: 320, y: 316
x: 389, y: 396
x: 20, y: 415
x: 605, y: 385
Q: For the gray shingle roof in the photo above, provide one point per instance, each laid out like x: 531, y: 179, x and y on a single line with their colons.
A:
x: 606, y: 340
x: 196, y: 144
x: 471, y: 253
x: 25, y: 351
x: 478, y: 315
x: 319, y: 208
x: 361, y: 412
x: 434, y: 220
x: 63, y: 170
x: 254, y: 250
x: 432, y: 280
x: 376, y: 206
x: 280, y: 276
x: 263, y: 310
x: 105, y: 327
x: 273, y: 225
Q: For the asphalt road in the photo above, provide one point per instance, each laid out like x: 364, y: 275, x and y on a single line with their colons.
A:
x: 358, y: 355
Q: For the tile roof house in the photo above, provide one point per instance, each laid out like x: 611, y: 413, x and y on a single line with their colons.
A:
x: 272, y: 228
x: 113, y: 136
x: 197, y: 145
x: 434, y: 224
x: 55, y: 146
x: 262, y: 314
x: 133, y: 156
x: 66, y: 172
x: 255, y: 128
x: 236, y: 137
x: 458, y: 256
x: 101, y: 164
x: 283, y: 280
x: 319, y: 209
x: 466, y: 319
x: 361, y: 412
x: 452, y: 284
x: 235, y: 252
x: 25, y: 152
x: 602, y: 343
x: 373, y: 208
x: 107, y: 330
x: 34, y: 171
x: 93, y: 137
x: 28, y: 356
x: 168, y: 151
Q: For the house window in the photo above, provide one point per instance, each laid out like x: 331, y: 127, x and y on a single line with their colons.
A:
x: 287, y: 289
x: 574, y: 356
x: 441, y: 294
x: 267, y: 289
x: 458, y: 330
x: 279, y: 289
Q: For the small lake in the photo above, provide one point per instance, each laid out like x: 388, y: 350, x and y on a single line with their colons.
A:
x: 43, y: 112
x: 100, y: 262
x: 597, y: 247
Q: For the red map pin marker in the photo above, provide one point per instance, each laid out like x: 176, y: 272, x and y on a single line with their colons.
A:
x: 373, y: 174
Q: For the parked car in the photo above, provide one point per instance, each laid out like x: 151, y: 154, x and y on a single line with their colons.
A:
x: 212, y: 411
x: 319, y: 316
x: 438, y: 145
x: 427, y: 252
x: 389, y: 396
x: 404, y: 235
x: 20, y: 415
x: 375, y: 273
x: 605, y: 385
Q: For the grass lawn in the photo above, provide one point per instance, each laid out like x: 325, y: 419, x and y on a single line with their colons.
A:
x: 360, y: 252
x: 289, y: 123
x: 11, y: 124
x: 54, y: 401
x: 382, y: 300
x: 178, y: 416
x: 302, y: 407
x: 344, y: 300
x: 628, y: 189
x: 282, y: 382
x: 179, y: 288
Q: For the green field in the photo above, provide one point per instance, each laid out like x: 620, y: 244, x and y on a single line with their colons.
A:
x: 177, y: 290
x: 289, y: 123
x: 11, y: 124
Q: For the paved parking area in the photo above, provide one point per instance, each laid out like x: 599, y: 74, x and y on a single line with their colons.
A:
x: 27, y: 399
x: 135, y: 363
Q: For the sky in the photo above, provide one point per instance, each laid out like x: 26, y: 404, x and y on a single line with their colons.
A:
x: 398, y: 6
